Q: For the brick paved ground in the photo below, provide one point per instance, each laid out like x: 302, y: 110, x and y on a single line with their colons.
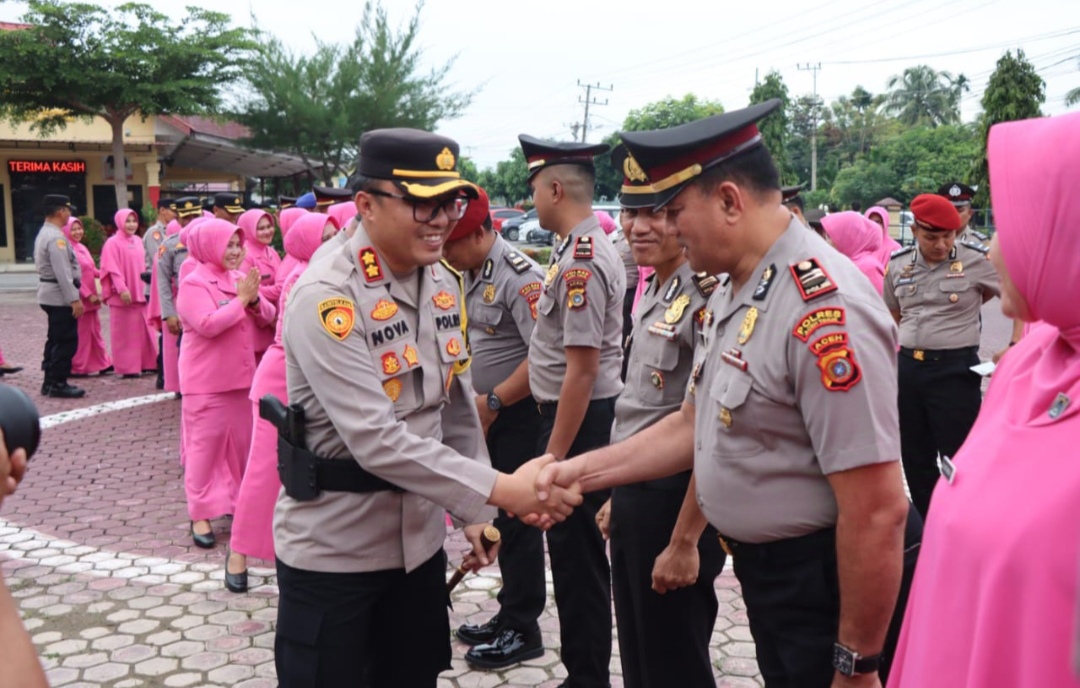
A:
x: 95, y: 547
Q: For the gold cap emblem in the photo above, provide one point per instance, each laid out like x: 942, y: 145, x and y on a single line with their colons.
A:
x: 633, y: 170
x: 445, y: 160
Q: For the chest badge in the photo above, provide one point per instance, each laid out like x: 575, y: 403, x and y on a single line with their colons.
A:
x: 410, y: 355
x: 489, y: 293
x: 453, y: 347
x: 390, y: 363
x: 489, y: 269
x: 392, y: 389
x: 552, y: 273
x: 657, y: 379
x: 384, y: 310
x: 725, y: 416
x: 444, y: 300
x: 674, y: 312
x: 746, y: 330
x: 1061, y: 402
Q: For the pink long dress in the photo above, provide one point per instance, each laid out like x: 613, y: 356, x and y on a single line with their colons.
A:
x: 267, y: 260
x: 91, y: 357
x: 252, y: 527
x: 994, y: 599
x: 217, y: 364
x: 122, y: 264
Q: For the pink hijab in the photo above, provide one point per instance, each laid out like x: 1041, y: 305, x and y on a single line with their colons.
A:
x: 306, y: 235
x: 860, y: 240
x: 172, y: 228
x: 888, y: 244
x: 81, y: 252
x: 607, y: 223
x: 342, y: 213
x: 288, y: 217
x: 1033, y: 167
x: 115, y: 260
x: 248, y: 222
x: 210, y: 241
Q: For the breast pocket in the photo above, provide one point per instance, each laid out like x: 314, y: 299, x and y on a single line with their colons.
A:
x: 955, y: 291
x: 657, y: 374
x: 396, y: 367
x: 738, y: 434
x: 486, y: 319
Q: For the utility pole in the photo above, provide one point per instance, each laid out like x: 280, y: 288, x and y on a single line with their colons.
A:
x: 815, y: 68
x: 589, y: 100
x: 574, y: 129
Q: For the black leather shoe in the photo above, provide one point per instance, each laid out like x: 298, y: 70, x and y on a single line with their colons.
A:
x: 510, y: 647
x: 63, y: 391
x: 478, y: 634
x: 205, y: 541
x: 107, y: 371
x: 130, y: 376
x: 235, y: 582
x: 9, y: 370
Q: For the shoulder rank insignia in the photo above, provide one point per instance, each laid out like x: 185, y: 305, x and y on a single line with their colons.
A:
x: 675, y: 311
x: 979, y: 235
x: 811, y: 279
x: 763, y: 285
x: 337, y: 316
x: 672, y: 289
x: 901, y: 251
x: 706, y: 284
x: 488, y: 271
x: 583, y: 248
x: 369, y: 264
x: 976, y: 247
x: 444, y: 300
x: 517, y: 263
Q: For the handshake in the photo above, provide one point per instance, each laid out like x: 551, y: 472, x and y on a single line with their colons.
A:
x: 542, y: 492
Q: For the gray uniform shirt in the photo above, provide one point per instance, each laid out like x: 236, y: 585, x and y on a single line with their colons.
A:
x: 376, y: 365
x: 155, y: 235
x: 501, y: 304
x: 57, y: 267
x: 168, y: 268
x: 329, y: 247
x: 939, y: 305
x: 581, y: 305
x: 795, y: 379
x: 622, y: 245
x: 666, y: 330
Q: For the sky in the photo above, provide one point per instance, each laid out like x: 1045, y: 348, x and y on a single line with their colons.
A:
x: 528, y: 58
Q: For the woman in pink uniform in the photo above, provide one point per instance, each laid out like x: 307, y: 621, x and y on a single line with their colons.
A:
x: 994, y: 599
x: 286, y: 219
x: 219, y: 308
x: 252, y: 527
x: 258, y: 226
x: 343, y: 213
x: 880, y: 217
x: 860, y: 240
x: 92, y: 357
x: 123, y: 261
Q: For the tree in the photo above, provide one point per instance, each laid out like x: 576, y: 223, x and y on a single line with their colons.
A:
x: 1072, y: 97
x: 317, y: 107
x: 82, y: 61
x: 509, y: 180
x: 774, y: 128
x: 922, y: 95
x: 1015, y: 91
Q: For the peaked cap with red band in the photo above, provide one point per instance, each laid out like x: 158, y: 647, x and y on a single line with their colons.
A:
x: 473, y: 219
x: 540, y: 153
x: 673, y: 157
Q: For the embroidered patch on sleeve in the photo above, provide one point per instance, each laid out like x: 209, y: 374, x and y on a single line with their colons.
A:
x: 337, y: 316
x: 815, y: 320
x: 839, y: 371
x: 576, y: 281
x: 531, y: 292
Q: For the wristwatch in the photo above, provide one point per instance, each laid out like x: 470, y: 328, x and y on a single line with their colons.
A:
x: 851, y: 663
x: 494, y: 403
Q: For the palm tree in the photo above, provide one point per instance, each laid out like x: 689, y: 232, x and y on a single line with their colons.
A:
x: 922, y: 95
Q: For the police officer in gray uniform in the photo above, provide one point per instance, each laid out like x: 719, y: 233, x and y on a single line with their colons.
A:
x: 961, y: 196
x: 664, y: 556
x: 58, y: 296
x: 152, y: 240
x: 377, y: 360
x: 935, y: 289
x: 173, y: 253
x: 790, y: 419
x: 575, y: 361
x: 501, y: 290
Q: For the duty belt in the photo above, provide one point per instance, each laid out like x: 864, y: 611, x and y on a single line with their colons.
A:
x: 305, y: 475
x: 939, y: 354
x: 786, y: 550
x: 48, y: 280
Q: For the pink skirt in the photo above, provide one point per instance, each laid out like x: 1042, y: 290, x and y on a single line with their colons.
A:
x: 253, y: 524
x: 91, y: 357
x: 133, y: 347
x: 216, y: 437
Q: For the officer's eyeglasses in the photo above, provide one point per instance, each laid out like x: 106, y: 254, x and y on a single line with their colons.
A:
x: 426, y: 210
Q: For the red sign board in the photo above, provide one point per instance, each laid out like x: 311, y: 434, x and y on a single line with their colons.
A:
x: 47, y: 166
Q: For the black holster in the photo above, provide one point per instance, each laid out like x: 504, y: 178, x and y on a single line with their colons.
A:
x: 305, y: 475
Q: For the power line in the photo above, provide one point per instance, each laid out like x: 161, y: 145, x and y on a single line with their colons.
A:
x: 815, y: 68
x: 589, y: 100
x: 996, y: 46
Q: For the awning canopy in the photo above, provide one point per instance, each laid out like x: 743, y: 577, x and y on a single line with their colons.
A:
x: 207, y: 152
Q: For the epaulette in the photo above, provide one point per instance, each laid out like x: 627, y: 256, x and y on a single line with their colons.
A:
x: 583, y: 248
x: 979, y: 235
x: 901, y: 251
x: 706, y: 284
x: 517, y: 263
x: 976, y: 247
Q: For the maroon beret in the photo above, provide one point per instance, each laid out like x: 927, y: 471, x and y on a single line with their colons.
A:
x: 473, y: 219
x: 935, y: 213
